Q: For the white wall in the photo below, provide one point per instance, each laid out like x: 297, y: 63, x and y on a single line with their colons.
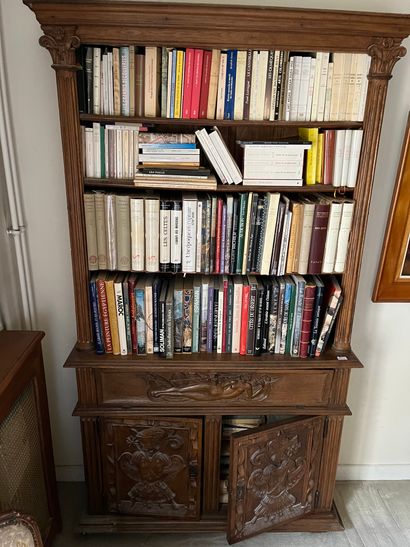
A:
x: 376, y: 441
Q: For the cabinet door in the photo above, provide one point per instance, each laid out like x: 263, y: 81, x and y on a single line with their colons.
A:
x: 273, y: 475
x: 152, y: 466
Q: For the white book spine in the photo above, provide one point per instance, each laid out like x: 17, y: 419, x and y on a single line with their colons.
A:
x: 261, y: 84
x: 338, y: 161
x: 294, y: 98
x: 101, y: 231
x: 322, y: 87
x: 347, y: 62
x: 307, y: 225
x: 91, y: 231
x: 199, y: 236
x: 151, y: 235
x: 119, y: 304
x: 336, y: 85
x: 164, y: 235
x: 363, y: 90
x: 351, y: 85
x: 97, y: 149
x: 236, y: 316
x: 220, y: 97
x: 328, y: 97
x: 189, y: 219
x: 104, y: 84
x: 106, y: 152
x: 254, y: 85
x: 357, y: 137
x: 233, y: 174
x: 169, y: 83
x: 346, y: 157
x: 289, y: 84
x: 96, y: 79
x: 149, y: 333
x: 110, y: 85
x: 343, y: 238
x: 304, y: 89
x: 312, y: 73
x: 285, y: 243
x: 239, y: 85
x: 220, y: 318
x: 332, y: 233
x: 125, y: 80
x: 316, y: 86
x: 269, y: 233
x: 211, y: 154
x: 89, y: 152
x: 137, y: 234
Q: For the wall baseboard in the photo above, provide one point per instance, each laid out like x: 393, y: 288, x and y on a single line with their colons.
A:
x: 382, y: 472
x: 376, y: 472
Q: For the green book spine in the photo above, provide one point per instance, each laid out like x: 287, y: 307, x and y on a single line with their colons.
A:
x: 102, y: 151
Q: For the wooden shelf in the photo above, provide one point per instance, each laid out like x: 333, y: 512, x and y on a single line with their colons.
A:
x: 220, y: 123
x: 221, y: 188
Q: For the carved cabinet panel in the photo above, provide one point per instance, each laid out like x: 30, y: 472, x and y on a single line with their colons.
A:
x: 273, y: 476
x: 152, y: 466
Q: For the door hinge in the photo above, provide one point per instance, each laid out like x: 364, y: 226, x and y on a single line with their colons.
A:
x: 16, y: 231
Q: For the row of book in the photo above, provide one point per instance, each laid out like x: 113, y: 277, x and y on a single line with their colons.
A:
x: 264, y: 233
x: 146, y: 314
x: 223, y: 84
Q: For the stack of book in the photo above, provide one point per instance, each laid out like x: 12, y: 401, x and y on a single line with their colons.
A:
x: 273, y: 163
x: 264, y: 233
x: 223, y: 84
x: 145, y: 314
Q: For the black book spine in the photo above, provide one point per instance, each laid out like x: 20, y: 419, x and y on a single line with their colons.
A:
x: 250, y: 341
x: 174, y: 171
x: 215, y: 321
x: 89, y: 78
x: 161, y: 328
x: 279, y: 84
x: 252, y: 226
x: 273, y: 316
x: 266, y: 310
x: 156, y: 289
x: 164, y: 235
x: 317, y: 312
x: 176, y: 236
x: 260, y: 305
x: 229, y: 322
x: 81, y: 80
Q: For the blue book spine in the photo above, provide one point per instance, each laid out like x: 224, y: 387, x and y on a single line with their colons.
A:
x: 286, y: 304
x: 209, y: 334
x: 140, y: 303
x: 230, y: 84
x: 156, y: 289
x: 127, y: 314
x: 168, y: 145
x: 223, y: 240
x: 96, y: 321
x: 173, y: 76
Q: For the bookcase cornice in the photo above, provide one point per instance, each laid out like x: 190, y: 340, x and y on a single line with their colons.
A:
x: 117, y: 22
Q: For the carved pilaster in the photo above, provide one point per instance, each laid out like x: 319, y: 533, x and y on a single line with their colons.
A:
x: 385, y: 52
x: 328, y: 464
x: 62, y: 43
x: 212, y: 453
x: 92, y: 464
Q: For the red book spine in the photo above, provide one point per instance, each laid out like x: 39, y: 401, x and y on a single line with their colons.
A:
x: 307, y: 317
x: 246, y: 291
x: 133, y: 314
x: 224, y: 315
x: 329, y: 155
x: 105, y: 322
x: 188, y: 82
x: 218, y: 236
x: 206, y: 76
x: 317, y: 243
x: 196, y: 85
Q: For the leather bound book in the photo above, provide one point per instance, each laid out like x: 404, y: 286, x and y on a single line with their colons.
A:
x: 317, y: 243
x: 329, y: 155
x: 307, y: 316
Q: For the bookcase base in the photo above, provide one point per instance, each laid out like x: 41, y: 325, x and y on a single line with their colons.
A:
x: 107, y: 524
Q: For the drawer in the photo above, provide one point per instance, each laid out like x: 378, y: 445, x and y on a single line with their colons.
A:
x: 213, y: 389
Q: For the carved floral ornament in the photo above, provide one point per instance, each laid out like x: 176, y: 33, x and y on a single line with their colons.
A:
x: 61, y: 43
x: 385, y: 53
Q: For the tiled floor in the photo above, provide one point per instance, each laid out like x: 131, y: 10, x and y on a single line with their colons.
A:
x: 375, y: 514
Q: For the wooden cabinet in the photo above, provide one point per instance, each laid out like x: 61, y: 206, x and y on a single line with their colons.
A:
x: 152, y: 429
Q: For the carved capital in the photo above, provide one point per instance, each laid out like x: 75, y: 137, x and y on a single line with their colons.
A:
x: 385, y: 53
x: 61, y: 43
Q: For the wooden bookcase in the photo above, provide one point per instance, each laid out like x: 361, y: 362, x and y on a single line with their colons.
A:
x: 118, y: 401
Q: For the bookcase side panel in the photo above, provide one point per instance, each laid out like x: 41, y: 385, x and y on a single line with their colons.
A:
x: 61, y: 43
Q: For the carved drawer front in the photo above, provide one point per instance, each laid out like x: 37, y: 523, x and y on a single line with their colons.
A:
x: 290, y: 388
x: 152, y: 466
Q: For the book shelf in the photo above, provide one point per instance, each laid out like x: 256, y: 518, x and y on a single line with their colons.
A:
x: 136, y: 408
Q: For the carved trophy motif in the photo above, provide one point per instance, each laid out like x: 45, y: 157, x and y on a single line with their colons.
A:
x: 273, y: 476
x: 152, y: 466
x: 209, y: 387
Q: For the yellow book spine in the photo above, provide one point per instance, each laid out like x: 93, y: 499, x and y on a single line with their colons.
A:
x: 310, y: 134
x: 292, y: 238
x: 178, y: 84
x: 112, y: 315
x: 319, y: 158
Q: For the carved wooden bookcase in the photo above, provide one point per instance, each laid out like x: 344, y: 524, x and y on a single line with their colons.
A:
x: 151, y: 429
